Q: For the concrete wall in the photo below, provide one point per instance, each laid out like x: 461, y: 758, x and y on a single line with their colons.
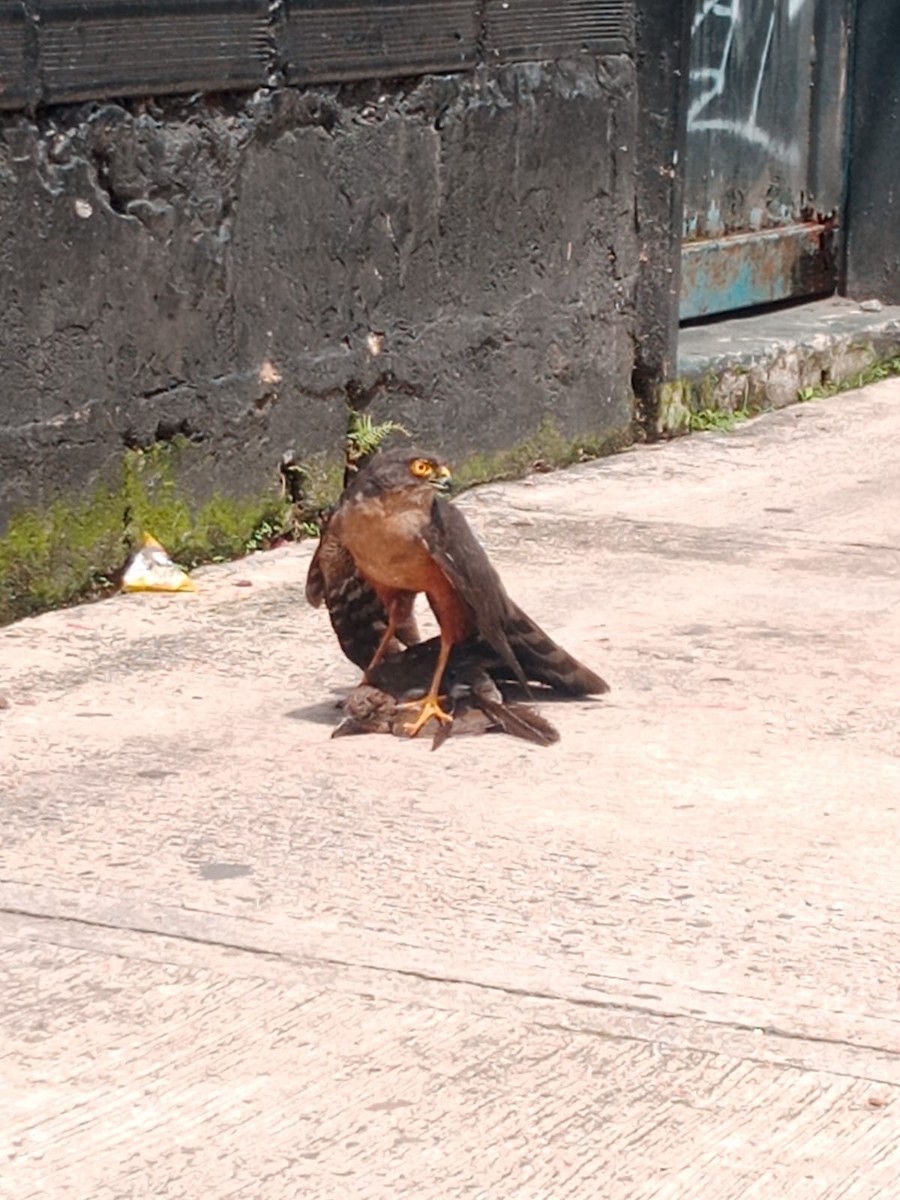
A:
x: 459, y: 251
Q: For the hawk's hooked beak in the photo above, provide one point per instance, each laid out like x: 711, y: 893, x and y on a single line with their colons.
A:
x: 442, y: 481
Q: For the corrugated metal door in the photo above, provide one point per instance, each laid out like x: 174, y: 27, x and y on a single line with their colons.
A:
x: 55, y: 51
x: 764, y: 166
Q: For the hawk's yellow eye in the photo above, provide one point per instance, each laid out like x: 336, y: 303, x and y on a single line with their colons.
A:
x: 421, y: 468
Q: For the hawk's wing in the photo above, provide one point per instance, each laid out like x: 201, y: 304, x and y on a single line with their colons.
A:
x: 464, y: 561
x: 524, y: 647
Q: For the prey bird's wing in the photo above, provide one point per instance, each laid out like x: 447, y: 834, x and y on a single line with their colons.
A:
x: 519, y: 720
x: 477, y: 704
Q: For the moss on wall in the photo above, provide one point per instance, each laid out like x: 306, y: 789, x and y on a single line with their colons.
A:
x: 546, y: 447
x: 75, y: 548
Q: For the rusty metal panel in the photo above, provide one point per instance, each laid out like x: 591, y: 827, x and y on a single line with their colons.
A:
x: 523, y: 30
x: 745, y: 270
x: 342, y: 39
x: 15, y: 33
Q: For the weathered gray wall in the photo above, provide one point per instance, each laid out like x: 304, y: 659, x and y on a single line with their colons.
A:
x: 226, y: 270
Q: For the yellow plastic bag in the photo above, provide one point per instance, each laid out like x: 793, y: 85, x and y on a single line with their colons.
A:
x: 151, y: 570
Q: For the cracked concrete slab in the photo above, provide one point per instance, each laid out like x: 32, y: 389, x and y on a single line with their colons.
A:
x: 243, y: 959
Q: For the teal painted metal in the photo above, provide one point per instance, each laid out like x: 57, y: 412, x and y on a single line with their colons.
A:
x: 748, y: 269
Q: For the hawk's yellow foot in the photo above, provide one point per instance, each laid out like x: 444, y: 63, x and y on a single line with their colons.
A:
x: 429, y: 706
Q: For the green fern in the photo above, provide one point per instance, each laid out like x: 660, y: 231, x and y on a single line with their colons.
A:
x: 364, y: 436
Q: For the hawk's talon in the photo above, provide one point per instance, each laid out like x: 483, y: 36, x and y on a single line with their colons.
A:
x: 429, y: 707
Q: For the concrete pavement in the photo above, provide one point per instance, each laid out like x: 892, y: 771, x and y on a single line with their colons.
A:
x: 659, y: 960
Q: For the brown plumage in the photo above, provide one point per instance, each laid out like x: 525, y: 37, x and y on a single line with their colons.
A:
x: 357, y: 614
x: 392, y: 536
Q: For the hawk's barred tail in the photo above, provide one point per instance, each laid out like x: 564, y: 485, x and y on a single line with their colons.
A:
x: 546, y: 662
x: 359, y: 620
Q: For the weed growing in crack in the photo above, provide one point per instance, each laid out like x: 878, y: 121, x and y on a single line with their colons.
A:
x: 719, y: 420
x: 888, y: 368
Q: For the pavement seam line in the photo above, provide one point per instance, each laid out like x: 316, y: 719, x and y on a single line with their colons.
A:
x: 612, y: 1006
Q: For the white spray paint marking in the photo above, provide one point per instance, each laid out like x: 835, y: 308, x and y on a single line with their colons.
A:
x: 715, y: 76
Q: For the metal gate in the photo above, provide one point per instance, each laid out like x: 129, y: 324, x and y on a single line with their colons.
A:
x: 765, y: 152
